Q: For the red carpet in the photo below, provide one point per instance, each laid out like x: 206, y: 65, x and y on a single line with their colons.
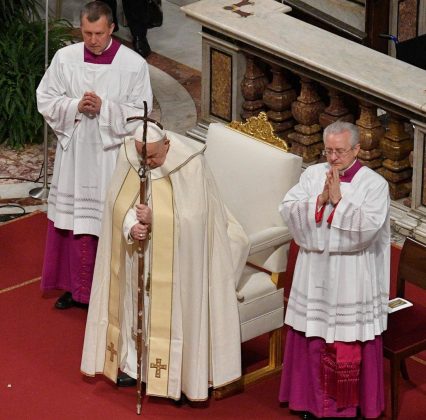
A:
x: 22, y: 249
x: 41, y: 350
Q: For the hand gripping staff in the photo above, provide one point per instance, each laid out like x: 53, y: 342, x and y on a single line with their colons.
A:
x: 143, y: 175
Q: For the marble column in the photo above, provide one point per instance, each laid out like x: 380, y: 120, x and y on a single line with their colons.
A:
x: 371, y: 133
x: 336, y: 110
x: 278, y: 97
x: 306, y: 140
x: 252, y: 88
x: 396, y: 146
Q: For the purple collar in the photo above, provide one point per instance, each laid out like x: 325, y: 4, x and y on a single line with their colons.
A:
x: 348, y: 174
x: 106, y: 57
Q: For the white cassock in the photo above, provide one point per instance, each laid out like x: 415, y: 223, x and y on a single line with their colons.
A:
x: 88, y: 147
x: 340, y: 286
x: 209, y: 250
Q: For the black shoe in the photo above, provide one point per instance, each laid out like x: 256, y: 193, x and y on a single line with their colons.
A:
x: 80, y: 304
x: 125, y: 380
x: 141, y: 46
x: 181, y: 401
x: 66, y: 301
x: 307, y: 416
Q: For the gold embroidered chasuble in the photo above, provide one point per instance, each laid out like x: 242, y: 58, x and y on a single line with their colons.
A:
x: 161, y: 278
x: 204, y: 335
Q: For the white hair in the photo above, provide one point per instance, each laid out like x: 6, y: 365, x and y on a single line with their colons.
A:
x: 339, y: 127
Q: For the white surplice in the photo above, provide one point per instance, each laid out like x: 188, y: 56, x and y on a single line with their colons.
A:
x: 340, y: 286
x: 210, y: 250
x: 88, y: 146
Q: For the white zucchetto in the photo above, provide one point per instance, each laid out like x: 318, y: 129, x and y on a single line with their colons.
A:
x: 153, y: 134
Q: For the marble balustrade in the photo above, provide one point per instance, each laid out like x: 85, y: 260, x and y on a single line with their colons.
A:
x: 257, y: 58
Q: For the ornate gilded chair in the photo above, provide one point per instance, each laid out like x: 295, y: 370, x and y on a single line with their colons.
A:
x: 253, y: 171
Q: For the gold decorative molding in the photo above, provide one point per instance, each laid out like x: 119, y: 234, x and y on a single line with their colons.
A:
x: 261, y: 129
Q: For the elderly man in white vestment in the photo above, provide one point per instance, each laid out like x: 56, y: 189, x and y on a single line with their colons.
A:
x: 86, y: 96
x: 191, y: 334
x: 338, y: 214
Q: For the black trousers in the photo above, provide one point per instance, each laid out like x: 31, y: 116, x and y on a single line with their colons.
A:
x: 136, y: 12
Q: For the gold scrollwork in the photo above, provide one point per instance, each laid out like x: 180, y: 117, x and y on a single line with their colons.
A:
x: 261, y: 129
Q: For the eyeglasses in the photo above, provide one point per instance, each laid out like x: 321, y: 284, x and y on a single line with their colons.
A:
x: 337, y: 152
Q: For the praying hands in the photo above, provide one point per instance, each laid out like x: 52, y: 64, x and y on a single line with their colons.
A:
x: 331, y: 191
x: 90, y: 104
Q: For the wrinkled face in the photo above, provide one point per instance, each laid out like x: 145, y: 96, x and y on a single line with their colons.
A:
x: 340, y: 152
x: 96, y: 35
x: 155, y: 152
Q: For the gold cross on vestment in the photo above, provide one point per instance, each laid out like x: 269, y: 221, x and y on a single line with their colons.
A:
x: 158, y: 366
x: 113, y: 352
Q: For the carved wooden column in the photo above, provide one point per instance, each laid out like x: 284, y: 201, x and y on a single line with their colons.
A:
x: 396, y: 146
x: 371, y: 133
x: 336, y: 110
x: 278, y: 97
x: 307, y: 138
x: 252, y: 88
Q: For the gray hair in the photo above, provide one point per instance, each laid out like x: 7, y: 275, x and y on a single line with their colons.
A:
x: 339, y: 127
x: 94, y: 10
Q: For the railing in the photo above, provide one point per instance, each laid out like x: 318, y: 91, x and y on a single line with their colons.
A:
x: 257, y: 58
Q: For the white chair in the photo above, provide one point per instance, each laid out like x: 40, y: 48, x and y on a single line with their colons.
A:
x: 253, y: 177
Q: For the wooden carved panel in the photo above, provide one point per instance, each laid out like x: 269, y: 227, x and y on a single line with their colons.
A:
x: 220, y: 84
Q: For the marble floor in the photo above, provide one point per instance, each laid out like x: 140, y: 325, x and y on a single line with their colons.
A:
x: 175, y: 77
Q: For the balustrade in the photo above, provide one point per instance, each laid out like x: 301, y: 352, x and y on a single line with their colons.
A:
x: 305, y: 78
x: 384, y: 147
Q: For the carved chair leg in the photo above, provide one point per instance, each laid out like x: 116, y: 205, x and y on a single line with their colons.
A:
x: 395, y: 366
x: 404, y: 371
x: 276, y: 348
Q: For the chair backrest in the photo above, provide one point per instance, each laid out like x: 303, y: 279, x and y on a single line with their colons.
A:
x: 252, y: 176
x: 412, y: 265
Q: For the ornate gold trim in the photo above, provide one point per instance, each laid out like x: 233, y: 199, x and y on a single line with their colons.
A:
x: 261, y: 129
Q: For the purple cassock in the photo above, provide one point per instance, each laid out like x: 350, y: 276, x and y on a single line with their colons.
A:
x: 302, y: 384
x: 69, y: 259
x: 304, y: 381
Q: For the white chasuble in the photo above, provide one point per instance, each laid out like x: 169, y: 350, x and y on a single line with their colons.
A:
x: 204, y: 343
x: 88, y: 146
x: 340, y: 286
